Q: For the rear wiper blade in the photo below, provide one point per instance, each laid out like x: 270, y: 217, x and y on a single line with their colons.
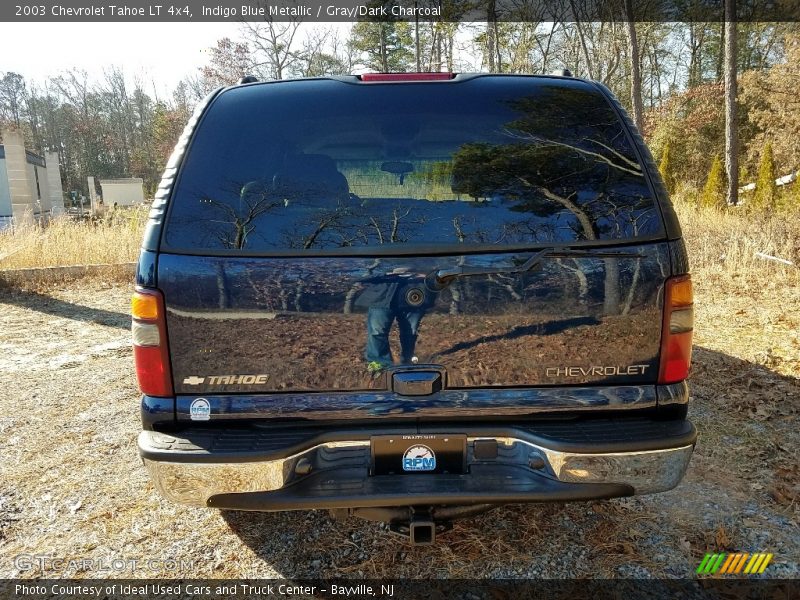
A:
x: 439, y: 279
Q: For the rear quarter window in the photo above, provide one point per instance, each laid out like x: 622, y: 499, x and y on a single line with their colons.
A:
x: 329, y: 167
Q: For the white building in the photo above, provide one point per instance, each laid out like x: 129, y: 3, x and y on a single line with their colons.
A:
x: 122, y: 192
x: 30, y: 185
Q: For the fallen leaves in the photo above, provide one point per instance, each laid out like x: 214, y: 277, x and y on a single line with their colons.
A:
x: 786, y: 488
x: 722, y: 539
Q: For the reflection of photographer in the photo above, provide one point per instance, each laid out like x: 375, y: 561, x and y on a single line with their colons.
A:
x: 399, y: 295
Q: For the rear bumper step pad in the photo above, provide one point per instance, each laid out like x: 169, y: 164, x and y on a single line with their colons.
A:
x: 485, y: 484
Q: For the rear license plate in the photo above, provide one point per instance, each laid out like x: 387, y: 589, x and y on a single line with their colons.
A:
x: 405, y: 454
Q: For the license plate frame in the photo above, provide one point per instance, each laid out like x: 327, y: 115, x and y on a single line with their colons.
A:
x: 389, y: 454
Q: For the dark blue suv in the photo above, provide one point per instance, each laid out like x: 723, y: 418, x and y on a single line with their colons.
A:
x: 411, y: 298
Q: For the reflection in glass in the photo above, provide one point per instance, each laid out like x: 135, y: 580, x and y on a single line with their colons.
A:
x: 322, y: 166
x: 398, y: 296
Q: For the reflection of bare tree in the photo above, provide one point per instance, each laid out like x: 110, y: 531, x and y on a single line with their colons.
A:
x: 589, y: 228
x: 325, y: 222
x: 634, y: 220
x: 622, y: 163
x: 389, y: 231
x: 456, y: 298
x: 386, y: 233
x: 583, y: 281
x: 588, y: 214
x: 238, y: 223
x: 350, y: 296
x: 632, y: 289
x: 587, y: 224
x: 505, y: 282
x: 222, y: 284
x: 252, y: 204
x: 343, y: 227
x: 298, y: 295
x: 285, y: 289
x: 396, y: 224
x: 456, y: 289
x: 567, y: 154
x: 283, y: 296
x: 378, y: 230
x: 611, y: 286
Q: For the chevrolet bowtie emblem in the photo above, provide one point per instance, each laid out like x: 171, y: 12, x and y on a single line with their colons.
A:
x: 193, y: 380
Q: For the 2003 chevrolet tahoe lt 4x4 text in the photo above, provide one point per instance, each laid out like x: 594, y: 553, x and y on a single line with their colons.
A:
x: 411, y: 298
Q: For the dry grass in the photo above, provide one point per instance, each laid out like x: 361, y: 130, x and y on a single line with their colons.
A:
x: 66, y: 356
x: 725, y: 242
x: 65, y: 242
x: 66, y: 359
x: 744, y: 302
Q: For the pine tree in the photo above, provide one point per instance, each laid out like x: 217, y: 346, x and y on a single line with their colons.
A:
x: 385, y: 46
x: 665, y: 168
x: 714, y: 190
x: 766, y: 191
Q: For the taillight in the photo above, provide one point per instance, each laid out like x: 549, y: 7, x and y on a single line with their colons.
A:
x: 150, y: 349
x: 676, y: 333
x: 391, y: 77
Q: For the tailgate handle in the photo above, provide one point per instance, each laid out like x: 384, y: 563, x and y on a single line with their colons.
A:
x: 417, y: 383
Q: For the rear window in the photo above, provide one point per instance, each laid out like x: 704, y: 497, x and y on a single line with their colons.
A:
x: 322, y: 166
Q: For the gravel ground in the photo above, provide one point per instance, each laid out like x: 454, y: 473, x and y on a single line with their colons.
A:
x: 74, y: 488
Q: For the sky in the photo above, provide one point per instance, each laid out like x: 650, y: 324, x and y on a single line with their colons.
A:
x: 159, y: 53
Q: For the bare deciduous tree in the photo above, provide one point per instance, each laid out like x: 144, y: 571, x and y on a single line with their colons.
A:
x: 635, y: 65
x: 731, y: 115
x: 273, y: 45
x: 12, y: 98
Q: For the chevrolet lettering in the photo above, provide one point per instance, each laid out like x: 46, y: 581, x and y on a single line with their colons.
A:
x: 596, y: 370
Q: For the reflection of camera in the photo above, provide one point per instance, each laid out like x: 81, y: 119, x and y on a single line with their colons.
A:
x: 415, y: 295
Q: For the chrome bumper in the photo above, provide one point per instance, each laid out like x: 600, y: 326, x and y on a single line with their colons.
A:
x: 193, y: 483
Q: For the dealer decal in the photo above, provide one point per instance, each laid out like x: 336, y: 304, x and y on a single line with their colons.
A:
x: 419, y: 458
x: 200, y: 410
